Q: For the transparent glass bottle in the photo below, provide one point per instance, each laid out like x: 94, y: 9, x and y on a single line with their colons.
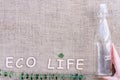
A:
x: 103, y: 43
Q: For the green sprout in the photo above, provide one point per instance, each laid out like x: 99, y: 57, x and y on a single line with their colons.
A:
x: 37, y: 76
x: 5, y: 74
x: 61, y: 55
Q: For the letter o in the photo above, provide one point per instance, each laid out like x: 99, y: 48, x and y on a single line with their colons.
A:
x: 33, y: 64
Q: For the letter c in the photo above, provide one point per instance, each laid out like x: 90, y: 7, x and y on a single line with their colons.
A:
x: 19, y: 66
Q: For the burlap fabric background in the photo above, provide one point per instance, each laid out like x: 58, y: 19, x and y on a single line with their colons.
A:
x: 45, y: 28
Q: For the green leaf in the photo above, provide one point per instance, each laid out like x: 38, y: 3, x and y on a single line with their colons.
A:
x: 61, y: 55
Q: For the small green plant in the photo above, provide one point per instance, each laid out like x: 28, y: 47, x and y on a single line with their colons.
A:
x: 61, y: 55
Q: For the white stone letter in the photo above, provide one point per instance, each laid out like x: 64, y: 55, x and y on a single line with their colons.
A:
x: 79, y: 63
x: 69, y: 61
x: 19, y: 66
x: 49, y: 63
x: 8, y: 61
x: 33, y: 64
x: 60, y: 63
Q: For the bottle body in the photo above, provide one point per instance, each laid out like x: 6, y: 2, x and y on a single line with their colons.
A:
x: 104, y: 61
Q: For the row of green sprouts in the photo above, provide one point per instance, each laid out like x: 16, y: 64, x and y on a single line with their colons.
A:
x: 35, y: 76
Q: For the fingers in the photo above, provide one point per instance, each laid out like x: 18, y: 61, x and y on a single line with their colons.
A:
x: 108, y: 78
x: 116, y: 59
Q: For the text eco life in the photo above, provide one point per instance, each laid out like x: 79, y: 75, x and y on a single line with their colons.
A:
x: 18, y: 63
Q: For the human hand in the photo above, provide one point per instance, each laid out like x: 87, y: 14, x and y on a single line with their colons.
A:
x: 116, y: 63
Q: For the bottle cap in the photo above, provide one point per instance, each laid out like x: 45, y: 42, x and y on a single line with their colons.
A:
x: 103, y: 8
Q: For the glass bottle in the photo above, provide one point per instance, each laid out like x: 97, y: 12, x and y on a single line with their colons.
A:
x: 103, y: 43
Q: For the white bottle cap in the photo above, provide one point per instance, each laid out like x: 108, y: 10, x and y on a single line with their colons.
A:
x: 103, y: 8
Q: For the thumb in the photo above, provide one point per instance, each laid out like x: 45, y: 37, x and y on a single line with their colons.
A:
x: 116, y: 59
